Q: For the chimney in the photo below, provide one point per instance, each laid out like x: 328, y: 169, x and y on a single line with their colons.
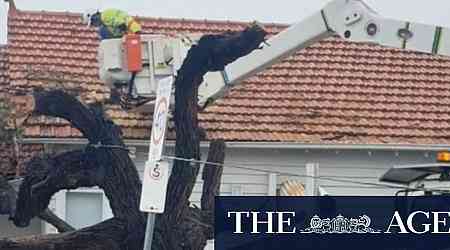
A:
x: 12, y: 5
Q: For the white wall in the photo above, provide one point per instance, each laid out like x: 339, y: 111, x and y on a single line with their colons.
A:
x: 234, y: 181
x: 7, y: 228
x: 351, y: 165
x: 347, y: 165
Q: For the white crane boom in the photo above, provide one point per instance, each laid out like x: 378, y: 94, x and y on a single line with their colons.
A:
x: 352, y: 20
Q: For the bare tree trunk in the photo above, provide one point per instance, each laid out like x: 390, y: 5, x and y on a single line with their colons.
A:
x: 212, y: 174
x: 105, y: 163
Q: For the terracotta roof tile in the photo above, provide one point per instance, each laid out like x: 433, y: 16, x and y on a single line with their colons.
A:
x: 4, y: 76
x: 26, y: 152
x: 331, y: 92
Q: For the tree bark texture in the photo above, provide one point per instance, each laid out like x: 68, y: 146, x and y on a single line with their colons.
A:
x: 8, y: 197
x: 105, y: 163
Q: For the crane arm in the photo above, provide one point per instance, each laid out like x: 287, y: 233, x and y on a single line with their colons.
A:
x: 352, y: 20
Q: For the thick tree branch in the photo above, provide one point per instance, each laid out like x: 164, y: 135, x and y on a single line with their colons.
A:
x: 55, y: 103
x: 61, y: 225
x: 8, y: 197
x: 109, y: 161
x: 212, y: 174
x: 195, y: 230
x: 197, y: 225
x: 104, y: 163
x: 212, y: 53
x: 47, y: 176
x: 108, y: 235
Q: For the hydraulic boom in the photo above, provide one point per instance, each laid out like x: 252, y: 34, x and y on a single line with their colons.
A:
x: 352, y: 20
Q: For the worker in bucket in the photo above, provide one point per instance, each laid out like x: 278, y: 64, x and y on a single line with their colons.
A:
x: 112, y: 23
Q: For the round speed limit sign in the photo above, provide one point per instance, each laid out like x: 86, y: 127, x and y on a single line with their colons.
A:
x: 160, y: 121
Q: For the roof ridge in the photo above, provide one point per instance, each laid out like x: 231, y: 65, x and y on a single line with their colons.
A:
x: 148, y: 18
x: 37, y: 12
x: 204, y: 20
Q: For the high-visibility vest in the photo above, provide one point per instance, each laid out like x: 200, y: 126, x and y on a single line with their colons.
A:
x: 113, y: 19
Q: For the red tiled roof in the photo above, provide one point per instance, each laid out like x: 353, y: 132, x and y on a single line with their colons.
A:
x: 5, y: 162
x: 7, y: 165
x: 332, y: 92
x: 4, y: 78
x: 26, y: 152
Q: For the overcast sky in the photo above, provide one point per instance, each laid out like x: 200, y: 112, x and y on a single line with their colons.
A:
x: 284, y: 11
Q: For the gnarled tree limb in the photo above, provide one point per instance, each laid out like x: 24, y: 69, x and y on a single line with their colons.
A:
x: 45, y: 177
x: 108, y: 235
x: 8, y: 197
x: 212, y: 53
x: 106, y: 165
x: 61, y: 225
x: 110, y: 168
x: 212, y: 174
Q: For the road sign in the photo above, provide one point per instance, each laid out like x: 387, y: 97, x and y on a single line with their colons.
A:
x: 156, y: 173
x: 160, y: 118
x: 154, y: 190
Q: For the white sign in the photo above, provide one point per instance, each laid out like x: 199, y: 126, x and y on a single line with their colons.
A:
x: 154, y: 188
x: 156, y: 173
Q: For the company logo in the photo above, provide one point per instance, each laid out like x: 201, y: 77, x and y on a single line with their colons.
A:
x: 275, y: 222
x: 340, y: 224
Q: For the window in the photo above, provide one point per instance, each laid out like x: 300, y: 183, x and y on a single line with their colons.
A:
x: 80, y: 207
x: 84, y: 209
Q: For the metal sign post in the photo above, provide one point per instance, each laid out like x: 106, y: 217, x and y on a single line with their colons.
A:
x: 149, y: 231
x: 156, y: 173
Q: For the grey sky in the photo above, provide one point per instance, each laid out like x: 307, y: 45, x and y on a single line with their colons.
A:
x: 285, y: 11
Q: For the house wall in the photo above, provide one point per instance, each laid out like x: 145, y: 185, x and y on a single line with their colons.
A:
x: 274, y: 165
x: 7, y: 228
x: 346, y: 165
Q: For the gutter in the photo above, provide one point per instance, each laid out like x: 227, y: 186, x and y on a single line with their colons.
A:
x: 262, y: 145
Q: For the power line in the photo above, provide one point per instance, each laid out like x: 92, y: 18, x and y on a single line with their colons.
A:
x: 297, y: 165
x: 350, y: 176
x: 284, y: 173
